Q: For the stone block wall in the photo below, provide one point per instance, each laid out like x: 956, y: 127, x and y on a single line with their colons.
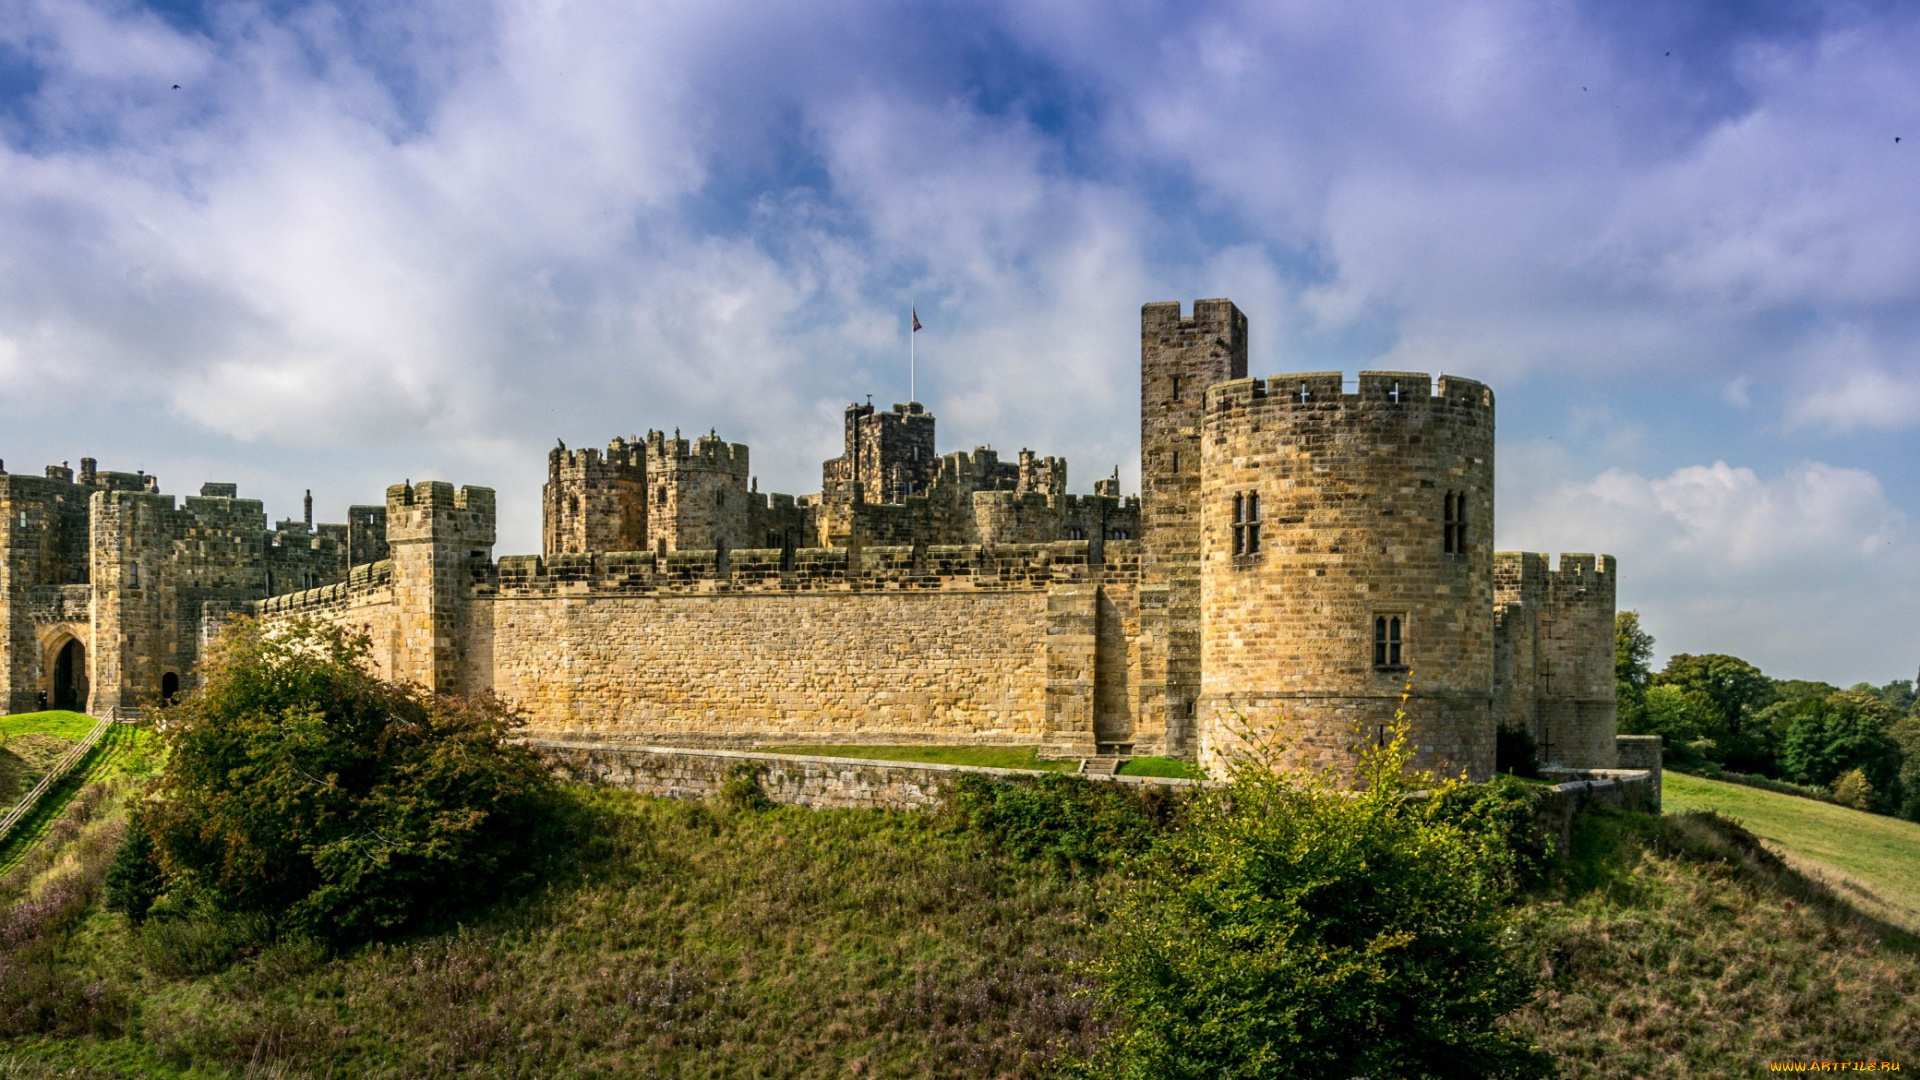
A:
x: 1355, y: 497
x: 1553, y: 660
x: 594, y: 501
x: 733, y: 668
x: 363, y: 604
x: 816, y: 782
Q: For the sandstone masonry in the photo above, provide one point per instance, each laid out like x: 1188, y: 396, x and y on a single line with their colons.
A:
x: 1302, y: 553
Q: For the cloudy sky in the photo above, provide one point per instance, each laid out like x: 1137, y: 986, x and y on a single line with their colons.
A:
x: 367, y: 242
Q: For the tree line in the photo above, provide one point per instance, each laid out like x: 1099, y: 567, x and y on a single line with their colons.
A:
x: 1859, y: 746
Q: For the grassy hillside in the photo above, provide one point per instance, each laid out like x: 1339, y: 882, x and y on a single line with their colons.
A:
x: 1679, y: 947
x: 1873, y: 858
x: 684, y: 940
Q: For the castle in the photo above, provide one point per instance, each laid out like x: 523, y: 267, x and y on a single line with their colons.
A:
x: 1299, y: 554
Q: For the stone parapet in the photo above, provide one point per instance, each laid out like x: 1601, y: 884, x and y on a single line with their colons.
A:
x: 822, y: 783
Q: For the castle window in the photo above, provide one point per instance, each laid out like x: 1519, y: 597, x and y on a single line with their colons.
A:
x: 1176, y: 388
x: 1246, y: 524
x: 1176, y: 461
x: 1387, y: 641
x: 663, y: 494
x: 1076, y: 534
x: 573, y: 505
x: 1455, y: 526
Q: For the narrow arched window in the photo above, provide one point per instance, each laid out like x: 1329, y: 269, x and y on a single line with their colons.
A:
x: 1388, y: 646
x: 1246, y: 524
x: 1454, y: 526
x: 663, y: 494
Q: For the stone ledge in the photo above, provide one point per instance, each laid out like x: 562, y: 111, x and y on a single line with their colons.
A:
x: 790, y: 779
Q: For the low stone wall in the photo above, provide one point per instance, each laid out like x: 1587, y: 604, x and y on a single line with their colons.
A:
x: 825, y: 783
x: 1641, y: 752
x: 822, y: 783
x: 1623, y: 789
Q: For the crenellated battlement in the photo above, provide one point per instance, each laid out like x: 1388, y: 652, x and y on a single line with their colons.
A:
x: 872, y: 568
x: 365, y: 580
x: 709, y: 451
x: 1380, y: 392
x: 1581, y: 576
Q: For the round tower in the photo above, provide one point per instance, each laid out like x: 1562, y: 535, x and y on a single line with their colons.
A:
x: 1347, y: 550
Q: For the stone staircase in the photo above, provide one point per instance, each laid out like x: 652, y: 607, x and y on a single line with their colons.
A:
x: 1103, y: 765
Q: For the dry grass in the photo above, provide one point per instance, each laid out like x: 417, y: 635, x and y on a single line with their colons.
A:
x: 681, y: 940
x: 685, y: 941
x: 1877, y: 855
x: 1680, y: 947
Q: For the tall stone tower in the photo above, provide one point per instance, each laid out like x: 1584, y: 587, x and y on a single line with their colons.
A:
x: 699, y: 494
x: 1346, y: 549
x: 439, y: 539
x: 888, y: 454
x: 1179, y: 359
x: 593, y: 502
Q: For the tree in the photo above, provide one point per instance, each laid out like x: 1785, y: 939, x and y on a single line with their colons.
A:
x: 1844, y: 732
x: 299, y: 786
x: 1906, y: 795
x: 1286, y: 928
x: 1632, y: 653
x: 1734, y: 692
x: 1679, y: 717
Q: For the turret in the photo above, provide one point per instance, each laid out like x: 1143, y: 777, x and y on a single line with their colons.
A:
x: 1346, y: 547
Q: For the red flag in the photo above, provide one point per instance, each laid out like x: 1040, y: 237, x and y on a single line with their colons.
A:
x: 916, y: 320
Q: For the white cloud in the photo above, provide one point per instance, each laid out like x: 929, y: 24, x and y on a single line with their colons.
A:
x: 1788, y: 571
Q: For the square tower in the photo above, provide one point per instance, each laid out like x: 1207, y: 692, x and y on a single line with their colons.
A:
x: 1179, y: 359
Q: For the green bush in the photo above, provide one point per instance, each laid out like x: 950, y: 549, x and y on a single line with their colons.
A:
x: 134, y: 880
x: 1067, y: 819
x: 1288, y: 928
x: 740, y: 789
x: 300, y: 787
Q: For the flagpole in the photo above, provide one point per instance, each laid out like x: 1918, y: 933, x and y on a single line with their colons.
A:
x: 911, y: 313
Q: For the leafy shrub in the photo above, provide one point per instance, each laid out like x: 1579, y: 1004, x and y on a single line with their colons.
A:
x: 134, y: 880
x: 1067, y: 819
x: 1287, y: 928
x: 1502, y: 817
x: 300, y: 787
x: 1854, y: 789
x: 741, y: 790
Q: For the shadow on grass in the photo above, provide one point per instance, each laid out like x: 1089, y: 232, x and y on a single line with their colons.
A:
x: 1606, y: 846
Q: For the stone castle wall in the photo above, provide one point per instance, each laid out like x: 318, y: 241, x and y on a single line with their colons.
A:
x: 1553, y: 666
x: 1353, y: 499
x: 914, y: 598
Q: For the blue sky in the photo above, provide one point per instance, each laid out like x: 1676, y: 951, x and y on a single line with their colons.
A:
x: 368, y: 242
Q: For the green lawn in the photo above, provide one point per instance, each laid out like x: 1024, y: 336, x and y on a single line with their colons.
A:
x: 992, y: 757
x: 1160, y: 766
x: 58, y: 722
x: 1879, y: 854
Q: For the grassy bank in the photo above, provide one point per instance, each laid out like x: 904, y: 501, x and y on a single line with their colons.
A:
x: 1680, y: 947
x: 59, y: 723
x: 685, y: 940
x: 1872, y: 857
